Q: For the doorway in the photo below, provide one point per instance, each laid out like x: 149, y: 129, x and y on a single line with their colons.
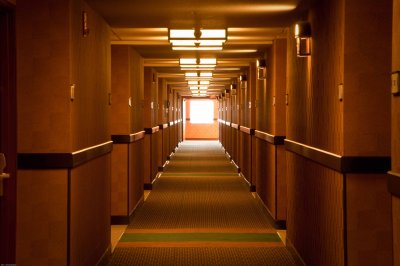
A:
x: 8, y: 145
x: 201, y: 119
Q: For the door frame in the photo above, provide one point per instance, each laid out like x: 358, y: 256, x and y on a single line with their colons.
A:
x: 8, y: 132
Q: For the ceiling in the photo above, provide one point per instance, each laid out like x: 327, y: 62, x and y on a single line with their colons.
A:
x: 251, y: 26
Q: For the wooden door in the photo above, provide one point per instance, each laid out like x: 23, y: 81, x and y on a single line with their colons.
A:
x: 7, y: 133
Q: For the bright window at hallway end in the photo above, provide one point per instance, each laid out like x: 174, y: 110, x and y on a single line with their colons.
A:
x: 201, y: 111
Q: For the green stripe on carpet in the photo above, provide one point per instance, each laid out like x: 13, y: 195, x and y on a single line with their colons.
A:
x: 178, y: 237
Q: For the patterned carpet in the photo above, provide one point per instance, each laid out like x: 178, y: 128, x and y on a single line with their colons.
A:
x: 200, y: 212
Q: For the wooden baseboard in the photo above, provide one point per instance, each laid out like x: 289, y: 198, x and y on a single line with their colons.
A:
x: 293, y: 251
x: 105, y: 258
x: 119, y: 219
x: 237, y: 166
x: 277, y: 224
x: 126, y: 219
x: 148, y: 186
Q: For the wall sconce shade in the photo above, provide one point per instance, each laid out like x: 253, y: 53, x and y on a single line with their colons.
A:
x: 302, y: 29
x: 261, y: 69
x: 302, y: 33
x: 243, y: 81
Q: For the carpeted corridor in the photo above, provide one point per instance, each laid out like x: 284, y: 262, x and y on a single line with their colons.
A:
x: 200, y: 212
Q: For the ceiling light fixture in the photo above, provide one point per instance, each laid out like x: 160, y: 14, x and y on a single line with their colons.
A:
x: 198, y: 82
x: 197, y: 63
x: 197, y: 39
x: 198, y: 75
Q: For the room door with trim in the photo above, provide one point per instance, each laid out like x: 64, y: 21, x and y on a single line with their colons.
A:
x: 8, y: 154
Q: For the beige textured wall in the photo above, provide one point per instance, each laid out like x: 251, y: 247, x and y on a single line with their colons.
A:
x: 315, y: 211
x: 354, y: 126
x: 52, y: 55
x: 43, y: 76
x: 91, y: 74
x: 369, y: 219
x: 137, y: 90
x: 367, y: 63
x: 314, y: 113
x: 42, y: 217
x: 90, y: 234
x: 119, y: 179
x: 120, y: 84
x: 135, y: 174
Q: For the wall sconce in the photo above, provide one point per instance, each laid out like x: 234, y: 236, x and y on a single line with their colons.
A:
x: 243, y: 81
x: 302, y: 33
x: 261, y: 69
x: 233, y: 88
x: 227, y: 93
x: 85, y: 27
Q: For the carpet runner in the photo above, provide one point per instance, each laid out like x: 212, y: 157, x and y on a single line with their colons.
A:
x: 200, y: 212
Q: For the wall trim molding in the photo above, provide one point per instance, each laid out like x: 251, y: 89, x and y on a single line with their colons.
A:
x: 247, y: 130
x: 162, y: 126
x: 62, y: 160
x: 128, y: 138
x: 339, y: 163
x: 273, y: 139
x: 277, y: 224
x: 126, y: 219
x: 235, y: 125
x: 105, y: 258
x: 151, y: 130
x: 394, y: 183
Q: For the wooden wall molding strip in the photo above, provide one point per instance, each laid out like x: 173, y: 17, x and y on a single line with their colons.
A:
x: 129, y: 138
x: 151, y: 130
x: 62, y: 160
x: 342, y: 164
x: 273, y: 139
x: 162, y: 126
x: 247, y: 130
x: 394, y: 183
x: 235, y: 125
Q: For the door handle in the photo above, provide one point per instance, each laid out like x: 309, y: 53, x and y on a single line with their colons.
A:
x: 2, y: 174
